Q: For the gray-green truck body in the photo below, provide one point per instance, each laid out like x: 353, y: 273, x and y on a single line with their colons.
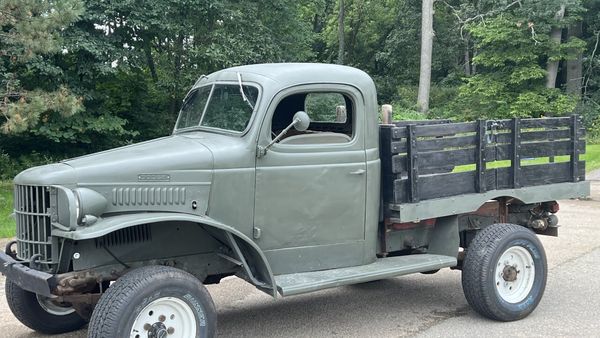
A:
x: 346, y: 201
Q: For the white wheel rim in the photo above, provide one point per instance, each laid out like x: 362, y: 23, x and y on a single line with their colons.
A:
x: 514, y: 275
x: 52, y: 308
x: 169, y: 317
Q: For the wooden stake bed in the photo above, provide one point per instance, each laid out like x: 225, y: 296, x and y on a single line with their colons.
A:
x: 432, y: 160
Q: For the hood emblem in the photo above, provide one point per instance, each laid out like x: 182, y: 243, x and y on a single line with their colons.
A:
x: 154, y: 178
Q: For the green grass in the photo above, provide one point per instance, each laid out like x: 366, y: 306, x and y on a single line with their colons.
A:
x: 591, y: 157
x: 7, y: 223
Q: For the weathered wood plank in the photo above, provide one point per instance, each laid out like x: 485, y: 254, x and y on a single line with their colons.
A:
x: 549, y: 148
x: 446, y: 129
x: 446, y: 142
x: 399, y: 147
x: 445, y: 185
x: 405, y: 123
x: 411, y: 163
x: 545, y: 122
x: 400, y: 193
x: 480, y: 159
x: 516, y: 155
x: 550, y: 173
x: 385, y: 153
x: 450, y: 184
x: 541, y: 135
x: 399, y: 132
x: 399, y: 164
x: 438, y: 159
x: 502, y: 177
x: 387, y: 187
x: 498, y: 152
x: 575, y: 148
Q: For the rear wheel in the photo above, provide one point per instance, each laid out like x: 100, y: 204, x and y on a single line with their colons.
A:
x: 41, y: 313
x: 154, y: 301
x: 504, y: 272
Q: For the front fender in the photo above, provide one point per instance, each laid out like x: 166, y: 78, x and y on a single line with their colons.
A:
x: 107, y: 225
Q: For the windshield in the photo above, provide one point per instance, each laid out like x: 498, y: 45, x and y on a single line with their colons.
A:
x: 221, y: 107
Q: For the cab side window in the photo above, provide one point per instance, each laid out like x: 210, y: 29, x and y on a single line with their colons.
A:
x: 326, y: 107
x: 331, y: 115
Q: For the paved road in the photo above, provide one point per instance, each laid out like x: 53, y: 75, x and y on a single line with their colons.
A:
x: 417, y: 305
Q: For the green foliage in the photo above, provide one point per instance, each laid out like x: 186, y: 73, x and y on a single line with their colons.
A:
x: 11, y: 166
x: 511, y: 83
x: 30, y: 34
x: 407, y: 114
x: 120, y: 69
x: 322, y: 107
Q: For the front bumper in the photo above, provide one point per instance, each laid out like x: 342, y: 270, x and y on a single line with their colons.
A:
x: 28, y: 279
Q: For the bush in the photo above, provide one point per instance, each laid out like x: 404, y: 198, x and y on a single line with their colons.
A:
x: 11, y: 166
x: 590, y: 111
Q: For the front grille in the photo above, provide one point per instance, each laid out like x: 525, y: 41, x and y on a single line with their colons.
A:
x: 32, y: 204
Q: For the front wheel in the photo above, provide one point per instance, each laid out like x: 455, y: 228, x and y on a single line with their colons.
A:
x: 504, y: 272
x: 41, y: 313
x: 154, y: 301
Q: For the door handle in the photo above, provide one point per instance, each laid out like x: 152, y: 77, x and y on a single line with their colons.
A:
x: 358, y: 172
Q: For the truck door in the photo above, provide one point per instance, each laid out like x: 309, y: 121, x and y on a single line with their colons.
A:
x: 311, y: 185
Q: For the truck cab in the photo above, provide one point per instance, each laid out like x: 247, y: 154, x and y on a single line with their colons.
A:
x: 282, y: 175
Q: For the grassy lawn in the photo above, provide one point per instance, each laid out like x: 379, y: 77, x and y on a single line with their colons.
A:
x: 591, y: 157
x: 7, y: 223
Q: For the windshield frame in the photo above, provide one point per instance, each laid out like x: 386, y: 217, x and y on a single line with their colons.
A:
x: 214, y: 129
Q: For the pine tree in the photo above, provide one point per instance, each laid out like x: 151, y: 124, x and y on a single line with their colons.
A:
x: 30, y: 34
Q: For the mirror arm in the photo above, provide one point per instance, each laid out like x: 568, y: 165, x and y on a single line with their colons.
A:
x: 262, y: 151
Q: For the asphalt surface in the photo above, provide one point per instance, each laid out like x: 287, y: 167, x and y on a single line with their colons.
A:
x: 415, y: 305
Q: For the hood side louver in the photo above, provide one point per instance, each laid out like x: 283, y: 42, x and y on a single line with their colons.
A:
x: 148, y: 196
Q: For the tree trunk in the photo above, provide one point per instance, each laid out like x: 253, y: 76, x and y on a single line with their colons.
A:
x: 467, y: 60
x: 150, y: 59
x: 575, y: 67
x: 341, y: 50
x: 426, y: 52
x: 474, y: 65
x: 555, y: 37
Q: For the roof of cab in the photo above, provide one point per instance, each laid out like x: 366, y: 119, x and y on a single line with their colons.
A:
x: 286, y: 74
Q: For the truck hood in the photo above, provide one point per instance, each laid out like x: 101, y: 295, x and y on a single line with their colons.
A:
x: 167, y: 159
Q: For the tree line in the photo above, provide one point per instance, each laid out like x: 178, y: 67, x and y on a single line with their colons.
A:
x: 79, y: 76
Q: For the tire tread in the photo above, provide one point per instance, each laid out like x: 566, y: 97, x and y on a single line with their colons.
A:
x: 474, y: 275
x: 118, y: 295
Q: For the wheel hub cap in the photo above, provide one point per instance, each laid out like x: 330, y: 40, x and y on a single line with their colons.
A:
x: 509, y: 273
x: 514, y: 274
x: 166, y: 317
x: 158, y: 330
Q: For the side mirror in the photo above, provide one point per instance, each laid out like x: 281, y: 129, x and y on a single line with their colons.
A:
x: 300, y: 122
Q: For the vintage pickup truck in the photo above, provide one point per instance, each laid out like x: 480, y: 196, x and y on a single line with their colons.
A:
x: 282, y: 175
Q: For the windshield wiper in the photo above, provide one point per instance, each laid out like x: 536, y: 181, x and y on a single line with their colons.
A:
x: 239, y: 76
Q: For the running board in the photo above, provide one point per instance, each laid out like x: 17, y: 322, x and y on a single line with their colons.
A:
x: 303, y: 282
